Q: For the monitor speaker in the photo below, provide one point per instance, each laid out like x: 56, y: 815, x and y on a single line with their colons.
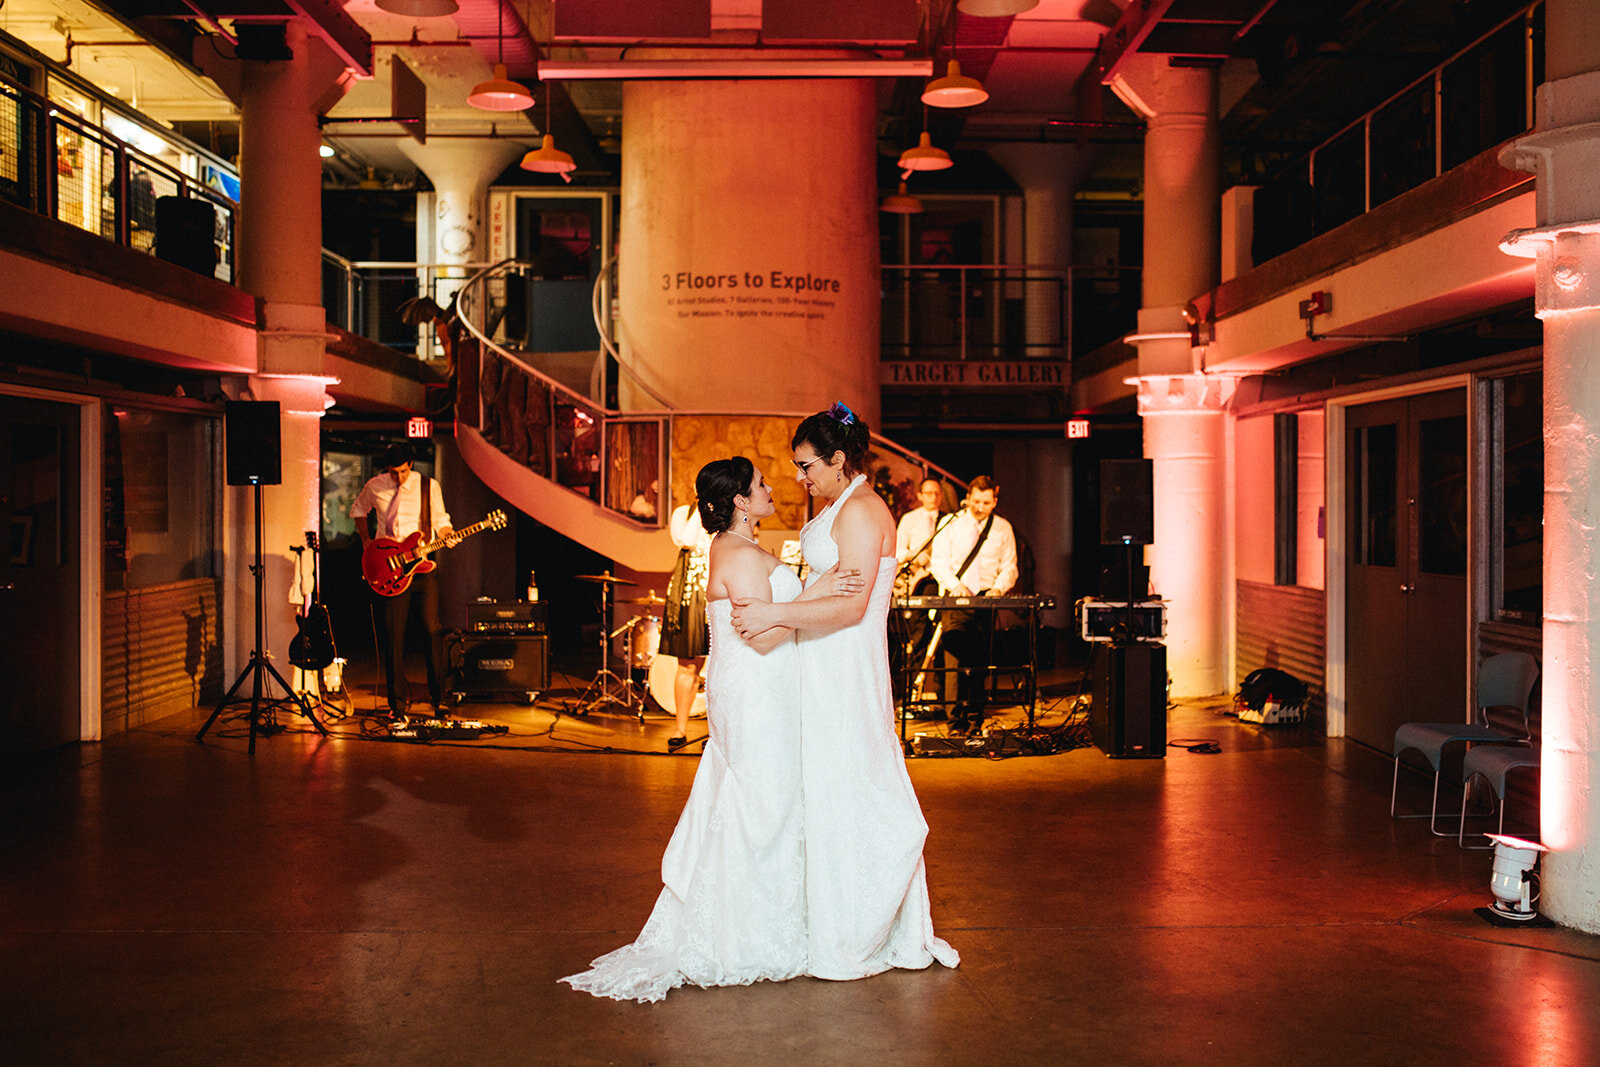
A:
x: 1128, y: 719
x: 254, y: 445
x: 1126, y: 511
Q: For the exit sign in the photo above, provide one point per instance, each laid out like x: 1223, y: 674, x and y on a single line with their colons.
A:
x: 1077, y: 429
x: 419, y: 427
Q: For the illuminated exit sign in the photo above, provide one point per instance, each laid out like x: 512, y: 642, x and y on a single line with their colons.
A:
x: 419, y: 427
x: 1077, y: 429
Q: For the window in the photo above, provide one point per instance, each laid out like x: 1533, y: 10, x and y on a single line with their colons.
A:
x: 162, y: 497
x: 1516, y: 498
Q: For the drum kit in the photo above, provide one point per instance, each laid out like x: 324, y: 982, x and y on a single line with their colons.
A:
x: 644, y: 659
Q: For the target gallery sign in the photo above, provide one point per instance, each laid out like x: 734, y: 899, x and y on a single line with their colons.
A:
x: 975, y: 374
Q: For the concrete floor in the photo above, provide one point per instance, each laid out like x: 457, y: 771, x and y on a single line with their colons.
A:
x: 351, y: 901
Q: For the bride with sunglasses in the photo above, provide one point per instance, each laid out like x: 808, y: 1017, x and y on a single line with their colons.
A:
x: 865, y: 884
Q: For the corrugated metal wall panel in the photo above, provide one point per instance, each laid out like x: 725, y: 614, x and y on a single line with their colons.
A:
x: 160, y: 651
x: 1283, y: 626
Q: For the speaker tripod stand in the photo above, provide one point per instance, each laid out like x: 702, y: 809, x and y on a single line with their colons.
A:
x: 259, y: 665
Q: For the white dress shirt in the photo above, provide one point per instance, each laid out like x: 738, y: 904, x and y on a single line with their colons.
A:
x: 916, y: 526
x: 993, y: 572
x: 399, y: 519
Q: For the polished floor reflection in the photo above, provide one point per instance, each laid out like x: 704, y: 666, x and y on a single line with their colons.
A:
x: 351, y: 901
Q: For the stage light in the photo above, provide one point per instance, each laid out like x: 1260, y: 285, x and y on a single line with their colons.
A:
x: 1513, y: 881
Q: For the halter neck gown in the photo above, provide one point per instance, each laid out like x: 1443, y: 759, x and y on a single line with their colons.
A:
x: 866, y: 886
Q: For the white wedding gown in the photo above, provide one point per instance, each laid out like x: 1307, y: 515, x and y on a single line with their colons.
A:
x: 733, y: 909
x: 866, y: 887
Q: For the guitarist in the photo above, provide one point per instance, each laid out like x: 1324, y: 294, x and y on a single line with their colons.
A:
x: 396, y: 504
x: 974, y: 555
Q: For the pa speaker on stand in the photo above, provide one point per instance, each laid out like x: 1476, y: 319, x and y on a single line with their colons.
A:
x: 1129, y: 716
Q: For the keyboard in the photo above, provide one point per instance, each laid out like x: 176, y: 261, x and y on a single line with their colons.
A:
x: 973, y: 603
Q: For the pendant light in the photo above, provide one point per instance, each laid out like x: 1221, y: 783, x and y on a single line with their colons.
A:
x: 500, y: 93
x: 419, y: 9
x: 995, y: 9
x: 547, y: 158
x: 901, y: 202
x: 955, y: 89
x: 924, y: 157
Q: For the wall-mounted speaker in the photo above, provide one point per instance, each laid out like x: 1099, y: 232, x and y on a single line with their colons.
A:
x: 254, y: 443
x: 1127, y: 515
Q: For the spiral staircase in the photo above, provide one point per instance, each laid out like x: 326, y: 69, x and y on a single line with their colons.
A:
x: 609, y: 479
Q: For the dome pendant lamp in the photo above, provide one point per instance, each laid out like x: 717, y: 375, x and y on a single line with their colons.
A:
x: 547, y: 158
x: 500, y: 93
x: 996, y: 9
x: 954, y: 89
x: 924, y: 157
x: 901, y: 203
x: 419, y: 9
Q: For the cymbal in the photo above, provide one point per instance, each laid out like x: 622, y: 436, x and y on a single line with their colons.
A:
x: 603, y: 578
x: 653, y: 600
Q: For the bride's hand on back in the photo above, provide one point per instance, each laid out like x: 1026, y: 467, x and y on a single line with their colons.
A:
x: 837, y: 582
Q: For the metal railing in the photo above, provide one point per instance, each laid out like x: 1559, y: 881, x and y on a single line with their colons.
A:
x: 621, y: 460
x: 988, y: 311
x: 56, y: 164
x: 1476, y: 99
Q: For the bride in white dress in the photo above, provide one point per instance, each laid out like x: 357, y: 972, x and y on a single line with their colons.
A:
x: 866, y: 886
x: 733, y: 908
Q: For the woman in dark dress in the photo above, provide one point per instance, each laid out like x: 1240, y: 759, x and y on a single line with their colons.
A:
x: 683, y: 627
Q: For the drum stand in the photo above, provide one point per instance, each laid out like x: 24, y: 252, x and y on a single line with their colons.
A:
x: 609, y: 690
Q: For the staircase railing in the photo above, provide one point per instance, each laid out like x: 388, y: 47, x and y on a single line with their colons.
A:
x: 619, y: 460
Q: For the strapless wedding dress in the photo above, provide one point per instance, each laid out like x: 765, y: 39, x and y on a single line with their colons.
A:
x: 733, y: 907
x: 866, y: 887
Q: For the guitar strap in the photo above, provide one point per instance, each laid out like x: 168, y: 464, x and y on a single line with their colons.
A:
x: 975, y: 546
x: 426, y: 525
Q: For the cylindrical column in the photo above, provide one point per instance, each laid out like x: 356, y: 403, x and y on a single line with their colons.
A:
x: 461, y: 170
x: 1182, y: 201
x: 1564, y: 153
x: 748, y: 276
x: 280, y: 261
x: 280, y: 226
x: 1185, y: 438
x: 1184, y: 431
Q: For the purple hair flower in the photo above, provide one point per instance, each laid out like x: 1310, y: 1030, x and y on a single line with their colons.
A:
x: 841, y: 413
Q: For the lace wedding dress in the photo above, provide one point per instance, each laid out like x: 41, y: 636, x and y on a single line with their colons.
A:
x: 866, y: 887
x: 733, y: 908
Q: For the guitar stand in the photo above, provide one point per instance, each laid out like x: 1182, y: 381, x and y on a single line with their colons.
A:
x: 608, y: 689
x: 259, y: 664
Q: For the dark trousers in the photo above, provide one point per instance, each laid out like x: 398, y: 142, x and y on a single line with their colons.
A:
x: 391, y: 615
x: 968, y: 636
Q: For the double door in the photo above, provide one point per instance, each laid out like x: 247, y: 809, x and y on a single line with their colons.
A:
x: 1406, y: 636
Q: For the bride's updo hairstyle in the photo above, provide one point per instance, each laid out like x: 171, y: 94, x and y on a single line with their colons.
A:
x: 836, y: 430
x: 717, y: 484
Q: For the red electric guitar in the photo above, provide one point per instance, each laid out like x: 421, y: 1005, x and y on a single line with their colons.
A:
x: 388, y: 565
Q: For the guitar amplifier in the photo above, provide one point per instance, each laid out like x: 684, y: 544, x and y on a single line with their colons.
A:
x: 488, y: 665
x: 515, y: 617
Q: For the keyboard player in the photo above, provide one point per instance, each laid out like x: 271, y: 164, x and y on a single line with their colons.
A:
x: 974, y: 555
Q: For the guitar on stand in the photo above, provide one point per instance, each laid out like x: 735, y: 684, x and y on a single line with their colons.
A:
x: 312, y: 648
x: 389, y: 565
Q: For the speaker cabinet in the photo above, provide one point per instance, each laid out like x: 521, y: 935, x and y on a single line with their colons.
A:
x: 1128, y: 719
x: 499, y: 665
x: 1127, y: 515
x: 254, y: 445
x: 186, y: 233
